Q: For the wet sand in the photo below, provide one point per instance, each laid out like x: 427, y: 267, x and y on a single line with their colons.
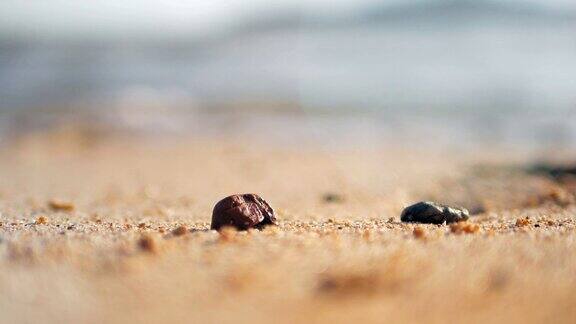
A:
x: 87, y: 235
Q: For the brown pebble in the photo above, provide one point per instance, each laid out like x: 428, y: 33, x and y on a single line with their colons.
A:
x: 520, y: 222
x: 148, y: 244
x: 60, y: 205
x: 419, y: 232
x: 464, y: 227
x: 242, y: 212
x: 471, y: 228
x: 41, y: 220
x: 142, y: 225
x: 179, y: 231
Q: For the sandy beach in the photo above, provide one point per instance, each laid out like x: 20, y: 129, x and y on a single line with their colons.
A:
x: 113, y: 230
x: 392, y: 161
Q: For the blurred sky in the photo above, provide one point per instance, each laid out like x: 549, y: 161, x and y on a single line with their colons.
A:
x: 129, y: 18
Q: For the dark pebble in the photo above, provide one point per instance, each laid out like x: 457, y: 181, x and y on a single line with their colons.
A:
x: 242, y: 212
x: 332, y: 198
x: 433, y: 213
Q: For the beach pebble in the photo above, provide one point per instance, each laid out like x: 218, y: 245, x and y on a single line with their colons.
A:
x: 433, y: 213
x: 179, y: 231
x: 242, y: 212
x: 60, y: 205
x: 148, y: 244
x: 331, y: 197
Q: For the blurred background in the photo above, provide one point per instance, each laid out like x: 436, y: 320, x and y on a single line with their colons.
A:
x: 457, y: 72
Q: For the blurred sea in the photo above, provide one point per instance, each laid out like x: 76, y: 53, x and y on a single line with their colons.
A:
x: 457, y: 72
